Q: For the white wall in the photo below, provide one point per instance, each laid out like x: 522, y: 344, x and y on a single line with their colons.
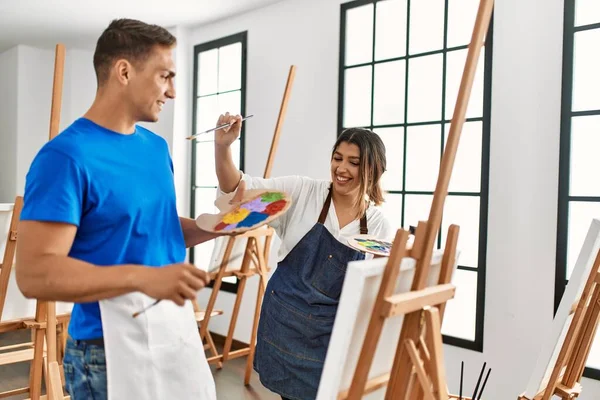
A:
x: 36, y: 69
x: 8, y: 124
x: 25, y: 120
x: 524, y: 158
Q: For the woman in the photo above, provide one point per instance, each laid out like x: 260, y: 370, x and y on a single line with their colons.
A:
x: 301, y: 299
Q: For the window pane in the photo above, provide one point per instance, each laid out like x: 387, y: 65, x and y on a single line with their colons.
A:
x: 205, y: 164
x: 580, y: 218
x: 587, y: 12
x: 229, y: 102
x: 416, y: 208
x: 455, y: 65
x: 392, y: 209
x: 390, y: 29
x: 593, y: 360
x: 464, y: 212
x: 389, y: 93
x: 230, y: 67
x: 357, y: 97
x: 466, y: 175
x: 585, y: 143
x: 205, y: 199
x: 426, y: 26
x: 393, y: 139
x: 207, y: 72
x: 461, y: 20
x: 235, y: 153
x: 425, y: 88
x: 207, y: 113
x: 423, y: 146
x: 359, y: 35
x: 459, y: 318
x: 586, y: 71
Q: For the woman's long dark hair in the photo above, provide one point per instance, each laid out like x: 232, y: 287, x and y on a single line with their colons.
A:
x: 372, y: 164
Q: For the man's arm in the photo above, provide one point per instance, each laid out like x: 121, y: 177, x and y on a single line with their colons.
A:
x: 194, y: 235
x: 45, y: 271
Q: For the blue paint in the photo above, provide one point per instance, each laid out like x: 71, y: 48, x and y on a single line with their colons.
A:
x: 252, y: 219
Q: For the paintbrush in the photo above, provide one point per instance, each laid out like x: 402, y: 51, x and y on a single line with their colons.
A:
x: 210, y: 271
x: 462, y: 366
x: 216, y: 128
x: 484, y: 382
x: 479, y: 381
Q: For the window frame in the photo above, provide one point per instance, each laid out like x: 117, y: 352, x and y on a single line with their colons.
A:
x: 564, y: 197
x: 241, y: 37
x: 477, y: 344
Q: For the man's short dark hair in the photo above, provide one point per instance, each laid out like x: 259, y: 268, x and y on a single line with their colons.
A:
x: 129, y: 39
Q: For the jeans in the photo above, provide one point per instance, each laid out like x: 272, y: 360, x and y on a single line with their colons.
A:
x: 85, y: 370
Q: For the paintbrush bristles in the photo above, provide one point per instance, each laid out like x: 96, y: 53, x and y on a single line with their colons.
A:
x: 145, y: 308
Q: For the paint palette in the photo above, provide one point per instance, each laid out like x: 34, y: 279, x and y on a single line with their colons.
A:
x: 370, y: 244
x: 257, y: 208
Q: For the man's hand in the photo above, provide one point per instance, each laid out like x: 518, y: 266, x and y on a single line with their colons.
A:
x: 176, y: 282
x: 226, y: 136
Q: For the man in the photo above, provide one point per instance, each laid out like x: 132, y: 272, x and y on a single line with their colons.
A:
x: 100, y: 216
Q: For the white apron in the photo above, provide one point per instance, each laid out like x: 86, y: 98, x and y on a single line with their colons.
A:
x: 158, y: 355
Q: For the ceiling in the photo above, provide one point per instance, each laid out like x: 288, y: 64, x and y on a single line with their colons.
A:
x: 78, y: 23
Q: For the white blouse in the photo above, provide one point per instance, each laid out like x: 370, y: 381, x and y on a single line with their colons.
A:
x: 308, y: 197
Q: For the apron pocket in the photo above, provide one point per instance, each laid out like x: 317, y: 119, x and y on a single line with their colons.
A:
x: 292, y: 332
x: 169, y: 324
x: 330, y: 278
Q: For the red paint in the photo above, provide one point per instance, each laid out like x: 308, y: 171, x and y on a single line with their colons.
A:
x: 275, y: 207
x: 220, y: 226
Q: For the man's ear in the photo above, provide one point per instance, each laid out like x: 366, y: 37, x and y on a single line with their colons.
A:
x: 123, y: 70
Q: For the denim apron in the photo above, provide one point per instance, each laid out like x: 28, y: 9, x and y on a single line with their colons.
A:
x: 299, y: 310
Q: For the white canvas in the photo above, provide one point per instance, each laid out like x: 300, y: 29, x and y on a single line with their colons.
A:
x: 362, y: 282
x: 553, y: 342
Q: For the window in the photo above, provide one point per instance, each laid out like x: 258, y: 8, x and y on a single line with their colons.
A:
x: 579, y: 188
x: 401, y: 64
x: 219, y: 87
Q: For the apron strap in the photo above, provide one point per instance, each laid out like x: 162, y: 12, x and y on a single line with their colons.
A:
x: 325, y: 210
x: 363, y: 224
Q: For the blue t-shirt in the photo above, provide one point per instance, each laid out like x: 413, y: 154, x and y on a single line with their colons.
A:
x: 118, y: 190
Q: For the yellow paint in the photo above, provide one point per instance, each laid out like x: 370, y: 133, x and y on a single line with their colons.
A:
x: 235, y: 216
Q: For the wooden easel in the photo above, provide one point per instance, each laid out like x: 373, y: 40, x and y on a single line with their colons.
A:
x: 42, y: 351
x: 256, y: 253
x: 44, y: 325
x: 565, y: 379
x: 418, y: 370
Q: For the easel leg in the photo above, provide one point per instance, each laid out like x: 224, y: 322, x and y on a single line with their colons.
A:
x: 37, y: 364
x: 238, y: 299
x: 213, y: 349
x: 216, y: 288
x: 584, y: 341
x: 436, y: 349
x: 262, y: 286
x: 400, y: 377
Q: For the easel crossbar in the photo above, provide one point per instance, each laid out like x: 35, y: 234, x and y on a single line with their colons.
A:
x: 404, y: 303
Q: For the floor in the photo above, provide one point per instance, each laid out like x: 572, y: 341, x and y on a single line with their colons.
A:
x: 229, y: 380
